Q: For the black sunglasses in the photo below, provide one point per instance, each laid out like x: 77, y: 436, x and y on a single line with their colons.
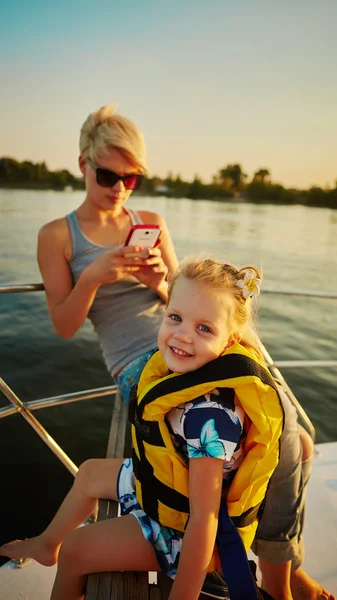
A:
x: 107, y: 178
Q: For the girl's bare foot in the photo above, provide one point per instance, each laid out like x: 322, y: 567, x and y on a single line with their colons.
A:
x: 35, y: 547
x: 305, y: 588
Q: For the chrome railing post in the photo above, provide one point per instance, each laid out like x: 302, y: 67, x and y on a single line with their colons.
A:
x: 36, y: 425
x: 11, y: 288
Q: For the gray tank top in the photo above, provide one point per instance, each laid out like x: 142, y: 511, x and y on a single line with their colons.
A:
x: 125, y: 314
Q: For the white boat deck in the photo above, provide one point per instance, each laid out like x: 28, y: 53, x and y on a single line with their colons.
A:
x: 30, y: 582
x: 34, y: 582
x: 320, y: 530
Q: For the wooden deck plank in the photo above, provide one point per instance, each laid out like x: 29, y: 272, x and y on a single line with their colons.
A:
x: 164, y: 584
x: 119, y: 421
x: 155, y: 593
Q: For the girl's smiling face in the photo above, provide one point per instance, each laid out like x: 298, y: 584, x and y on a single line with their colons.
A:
x: 194, y: 330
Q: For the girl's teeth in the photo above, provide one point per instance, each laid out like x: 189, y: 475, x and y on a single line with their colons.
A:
x: 180, y: 352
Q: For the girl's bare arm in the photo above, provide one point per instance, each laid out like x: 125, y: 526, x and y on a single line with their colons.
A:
x: 205, y: 484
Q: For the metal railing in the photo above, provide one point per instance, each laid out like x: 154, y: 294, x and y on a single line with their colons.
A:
x: 51, y: 401
x: 298, y: 292
x: 26, y: 408
x: 9, y: 288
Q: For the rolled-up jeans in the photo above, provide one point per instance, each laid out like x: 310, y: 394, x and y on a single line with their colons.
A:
x: 279, y: 534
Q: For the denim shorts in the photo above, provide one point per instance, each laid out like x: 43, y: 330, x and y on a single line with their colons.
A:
x: 130, y: 374
x: 279, y: 534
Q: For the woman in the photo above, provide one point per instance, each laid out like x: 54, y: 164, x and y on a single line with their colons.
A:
x: 82, y: 254
x: 88, y: 272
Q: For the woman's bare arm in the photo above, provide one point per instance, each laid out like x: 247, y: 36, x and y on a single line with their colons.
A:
x: 68, y: 306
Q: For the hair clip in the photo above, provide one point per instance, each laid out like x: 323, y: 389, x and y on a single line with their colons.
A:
x: 250, y: 285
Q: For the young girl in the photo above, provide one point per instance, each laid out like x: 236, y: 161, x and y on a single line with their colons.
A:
x: 206, y: 410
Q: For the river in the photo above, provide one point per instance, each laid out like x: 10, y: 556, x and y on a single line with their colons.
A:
x: 296, y: 247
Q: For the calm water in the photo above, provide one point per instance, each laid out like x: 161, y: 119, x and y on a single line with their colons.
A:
x: 296, y: 247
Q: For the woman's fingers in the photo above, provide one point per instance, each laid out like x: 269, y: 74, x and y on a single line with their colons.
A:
x: 154, y: 260
x: 132, y: 251
x: 139, y: 259
x: 155, y: 251
x: 155, y: 267
x: 144, y: 256
x: 132, y: 259
x: 160, y: 269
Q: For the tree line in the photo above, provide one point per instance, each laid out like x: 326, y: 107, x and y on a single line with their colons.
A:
x: 232, y: 182
x: 26, y: 174
x: 229, y: 182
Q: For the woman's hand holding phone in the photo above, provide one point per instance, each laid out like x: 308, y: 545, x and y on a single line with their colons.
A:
x: 145, y: 236
x: 112, y: 266
x: 152, y: 270
x: 153, y: 273
x: 116, y: 264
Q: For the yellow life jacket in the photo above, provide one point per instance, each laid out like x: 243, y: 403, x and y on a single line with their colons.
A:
x: 161, y: 473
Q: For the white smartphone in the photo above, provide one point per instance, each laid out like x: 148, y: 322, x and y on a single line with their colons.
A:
x: 143, y: 235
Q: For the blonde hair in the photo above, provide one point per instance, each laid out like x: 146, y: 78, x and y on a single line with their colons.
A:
x: 220, y: 277
x: 105, y: 129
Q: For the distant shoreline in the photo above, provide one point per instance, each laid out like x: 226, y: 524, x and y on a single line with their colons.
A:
x: 301, y: 201
x: 37, y: 185
x: 229, y: 184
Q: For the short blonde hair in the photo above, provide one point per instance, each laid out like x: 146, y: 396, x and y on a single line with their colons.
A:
x: 105, y: 129
x: 221, y: 277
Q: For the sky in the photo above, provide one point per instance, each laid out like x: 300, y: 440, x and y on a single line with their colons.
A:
x: 209, y: 82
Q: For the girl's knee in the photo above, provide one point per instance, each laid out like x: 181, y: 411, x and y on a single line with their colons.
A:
x: 86, y: 474
x: 307, y: 443
x: 70, y: 553
x: 96, y: 477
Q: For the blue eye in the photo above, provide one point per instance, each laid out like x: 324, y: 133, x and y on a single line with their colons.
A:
x: 174, y: 317
x: 204, y: 328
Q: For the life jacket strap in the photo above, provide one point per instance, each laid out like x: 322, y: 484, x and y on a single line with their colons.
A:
x: 158, y: 489
x: 249, y: 516
x: 148, y: 430
x: 233, y: 559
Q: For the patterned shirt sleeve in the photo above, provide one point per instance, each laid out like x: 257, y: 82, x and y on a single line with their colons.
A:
x: 212, y: 430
